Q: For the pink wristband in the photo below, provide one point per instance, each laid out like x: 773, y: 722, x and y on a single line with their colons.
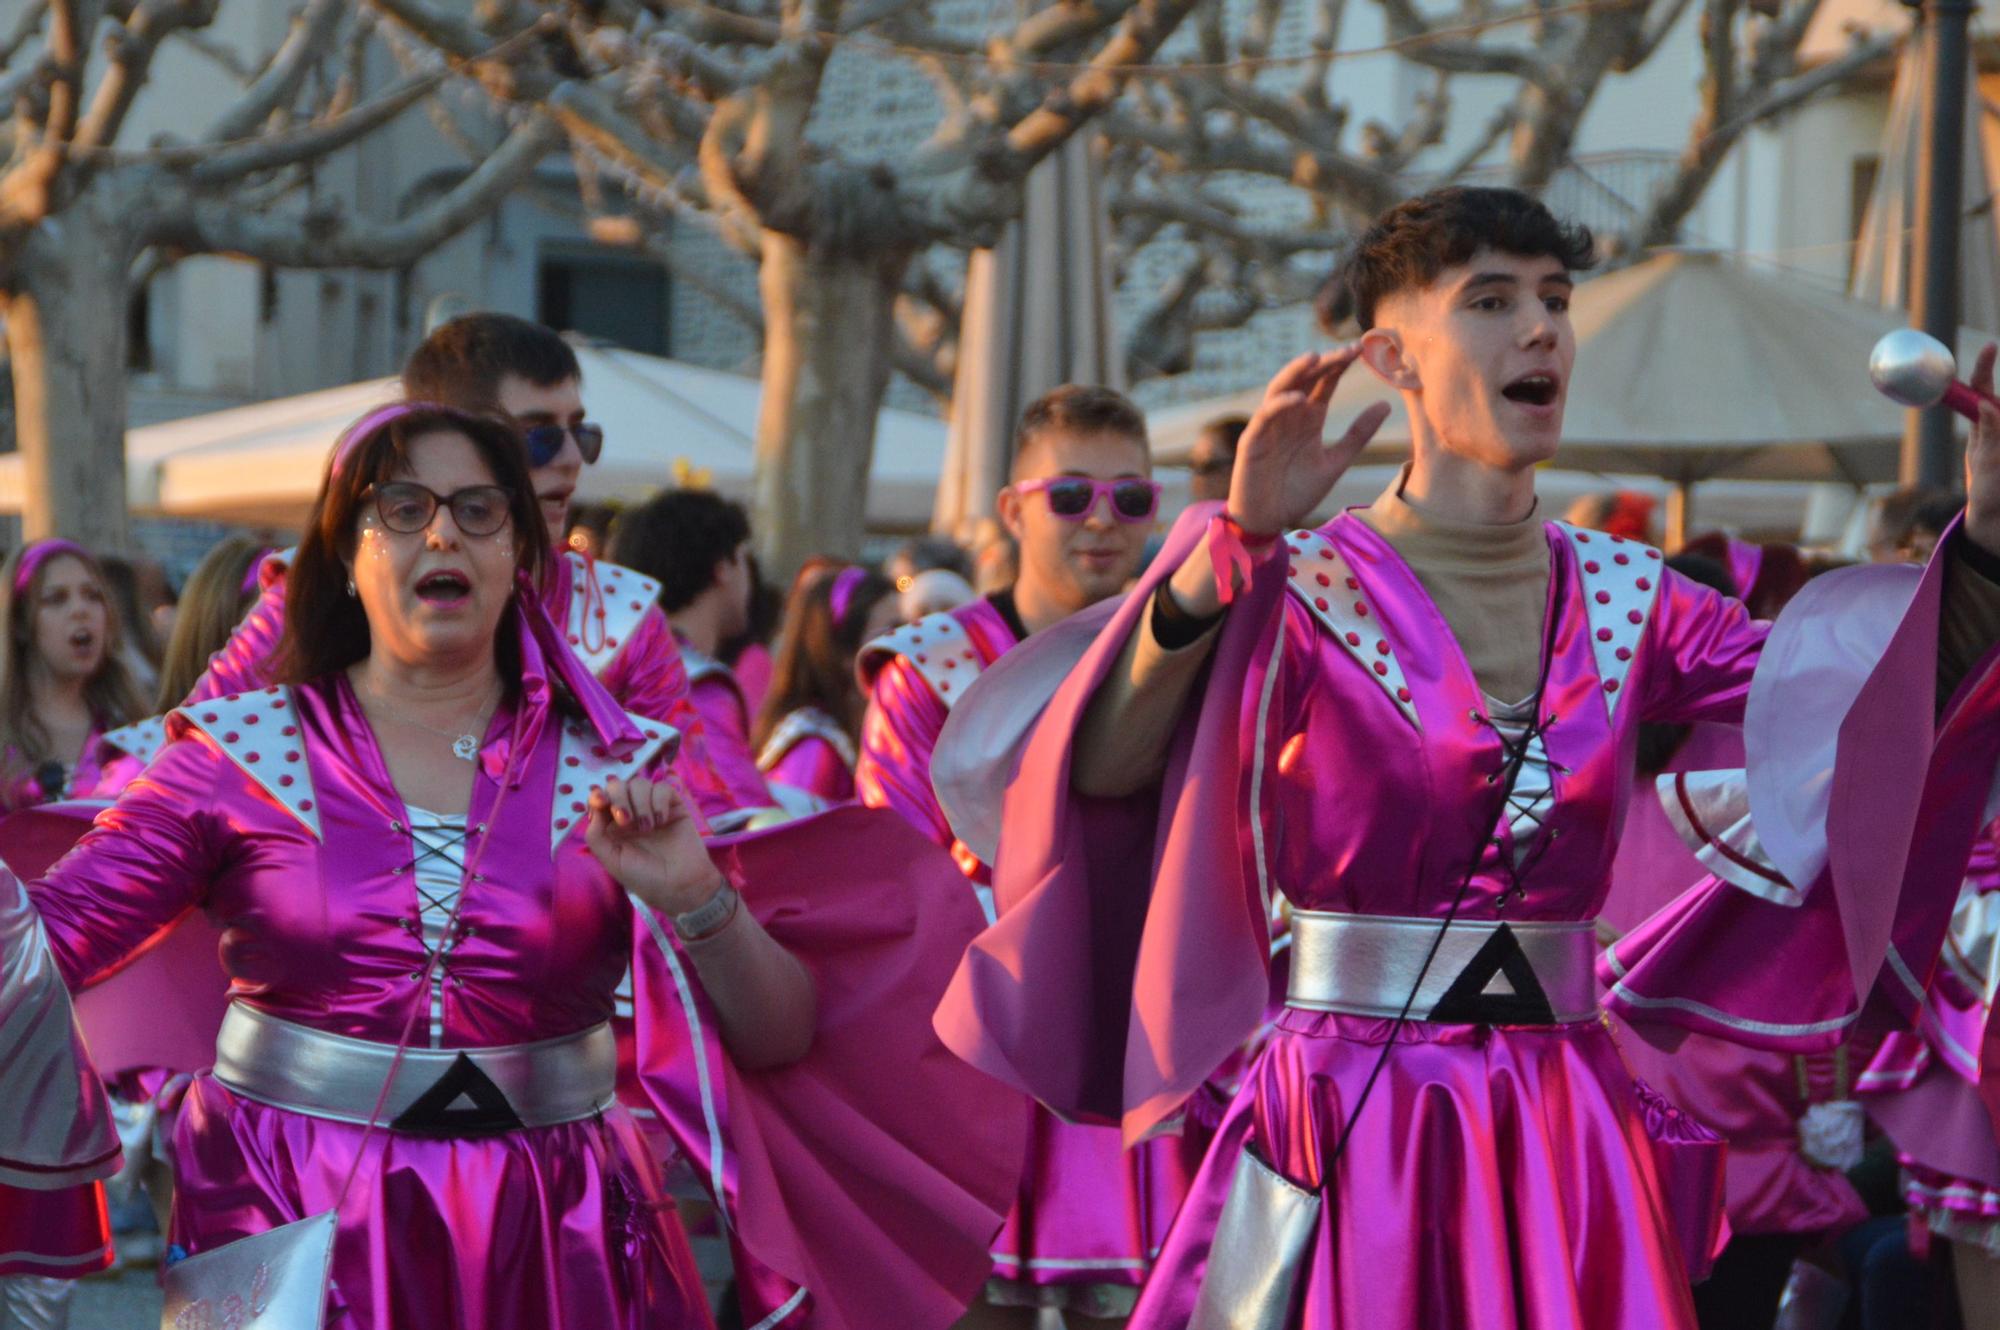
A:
x: 1233, y: 551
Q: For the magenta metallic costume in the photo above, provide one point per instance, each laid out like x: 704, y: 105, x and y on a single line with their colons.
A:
x: 537, y: 1206
x: 1505, y: 1170
x: 724, y: 715
x: 1765, y: 1103
x: 610, y: 616
x: 39, y: 786
x: 1089, y: 1215
x: 1924, y: 1086
x: 811, y: 753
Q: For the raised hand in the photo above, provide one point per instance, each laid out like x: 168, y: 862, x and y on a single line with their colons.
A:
x: 1982, y: 462
x: 1284, y: 467
x: 645, y: 836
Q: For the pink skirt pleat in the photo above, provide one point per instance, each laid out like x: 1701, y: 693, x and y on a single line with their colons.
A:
x: 548, y: 1228
x: 1497, y: 1179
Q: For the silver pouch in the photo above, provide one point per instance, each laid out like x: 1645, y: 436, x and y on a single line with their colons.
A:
x: 274, y: 1280
x: 1259, y: 1249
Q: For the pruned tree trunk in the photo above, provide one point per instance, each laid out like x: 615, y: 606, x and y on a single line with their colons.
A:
x: 67, y: 334
x: 829, y: 337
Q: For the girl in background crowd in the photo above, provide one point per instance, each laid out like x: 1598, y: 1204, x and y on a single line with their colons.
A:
x: 806, y: 734
x: 63, y: 680
x: 219, y: 592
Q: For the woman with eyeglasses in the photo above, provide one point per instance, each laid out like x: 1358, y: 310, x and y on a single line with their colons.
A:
x: 496, y: 365
x: 63, y: 682
x: 806, y: 734
x: 431, y: 846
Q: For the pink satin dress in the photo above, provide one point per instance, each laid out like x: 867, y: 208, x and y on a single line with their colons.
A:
x: 810, y: 752
x: 717, y: 700
x: 1089, y: 1214
x: 1754, y: 1098
x: 1927, y: 1086
x: 272, y: 813
x: 1341, y: 753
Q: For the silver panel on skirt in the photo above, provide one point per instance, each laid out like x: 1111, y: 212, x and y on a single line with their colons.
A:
x: 295, y: 1067
x: 274, y: 1280
x: 1258, y: 1251
x: 1366, y: 964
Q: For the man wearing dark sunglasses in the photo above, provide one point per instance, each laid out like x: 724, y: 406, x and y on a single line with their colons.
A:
x: 1080, y: 505
x: 496, y: 364
x: 1213, y: 458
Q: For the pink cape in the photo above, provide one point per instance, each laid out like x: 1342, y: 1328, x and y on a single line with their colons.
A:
x: 873, y: 1172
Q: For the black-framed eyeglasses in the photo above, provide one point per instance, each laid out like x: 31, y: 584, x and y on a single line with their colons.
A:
x: 407, y: 507
x: 545, y: 441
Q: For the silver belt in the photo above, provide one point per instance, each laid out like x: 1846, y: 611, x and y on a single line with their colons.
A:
x: 324, y: 1075
x: 1486, y: 971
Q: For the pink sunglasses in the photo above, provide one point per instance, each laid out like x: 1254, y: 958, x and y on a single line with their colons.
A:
x: 1076, y: 497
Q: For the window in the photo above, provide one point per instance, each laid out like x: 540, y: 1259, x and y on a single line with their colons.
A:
x: 619, y: 298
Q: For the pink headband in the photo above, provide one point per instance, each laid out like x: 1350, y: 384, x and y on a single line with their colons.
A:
x: 40, y: 553
x: 364, y: 428
x: 844, y: 585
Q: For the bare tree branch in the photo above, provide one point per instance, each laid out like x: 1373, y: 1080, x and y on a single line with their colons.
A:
x: 271, y: 152
x: 25, y: 27
x: 132, y: 47
x: 311, y: 36
x: 1721, y: 124
x: 1422, y: 45
x: 325, y: 239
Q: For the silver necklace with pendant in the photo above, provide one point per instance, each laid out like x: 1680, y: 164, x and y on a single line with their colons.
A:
x: 464, y: 746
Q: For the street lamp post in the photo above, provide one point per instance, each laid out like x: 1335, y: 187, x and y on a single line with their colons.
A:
x: 1930, y: 449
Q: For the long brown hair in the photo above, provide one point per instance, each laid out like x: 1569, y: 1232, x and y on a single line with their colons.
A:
x: 814, y: 665
x: 110, y: 693
x: 218, y: 593
x: 325, y: 628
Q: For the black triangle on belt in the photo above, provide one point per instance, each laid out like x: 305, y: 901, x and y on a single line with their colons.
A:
x: 464, y: 1102
x: 1471, y: 1001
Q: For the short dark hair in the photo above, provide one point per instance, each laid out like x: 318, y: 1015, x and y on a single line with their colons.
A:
x: 677, y: 537
x: 325, y: 628
x: 1082, y: 408
x: 462, y: 362
x: 1226, y: 431
x: 1409, y: 245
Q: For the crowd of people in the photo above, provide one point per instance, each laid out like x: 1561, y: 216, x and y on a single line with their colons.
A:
x: 493, y: 912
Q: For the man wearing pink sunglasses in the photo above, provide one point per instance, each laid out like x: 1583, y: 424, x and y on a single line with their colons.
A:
x: 1081, y: 504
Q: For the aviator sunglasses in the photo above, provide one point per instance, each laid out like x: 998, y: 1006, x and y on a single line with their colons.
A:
x: 1075, y: 497
x: 406, y: 507
x: 545, y: 441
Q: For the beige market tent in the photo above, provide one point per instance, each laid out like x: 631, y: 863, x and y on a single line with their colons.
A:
x: 262, y: 464
x: 1690, y: 366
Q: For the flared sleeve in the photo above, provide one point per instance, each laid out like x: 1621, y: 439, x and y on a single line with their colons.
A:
x: 1838, y: 851
x: 1131, y: 954
x: 55, y: 1122
x: 871, y: 1175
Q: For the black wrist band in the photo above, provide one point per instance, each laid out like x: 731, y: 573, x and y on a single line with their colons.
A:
x: 1173, y: 626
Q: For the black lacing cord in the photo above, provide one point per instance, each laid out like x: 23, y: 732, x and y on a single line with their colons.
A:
x: 1517, y: 756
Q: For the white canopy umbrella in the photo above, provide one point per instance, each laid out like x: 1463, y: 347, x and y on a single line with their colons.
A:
x: 663, y: 420
x: 1690, y: 366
